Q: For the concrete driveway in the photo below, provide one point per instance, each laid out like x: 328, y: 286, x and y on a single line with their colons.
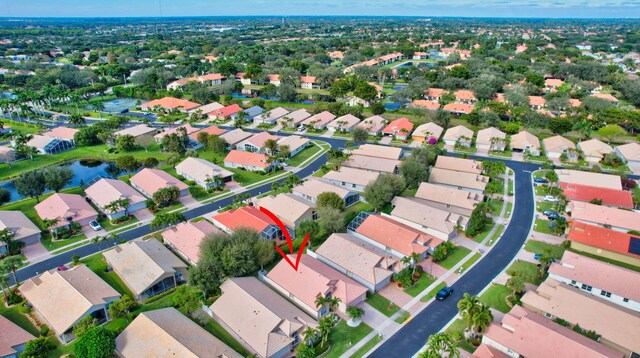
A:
x: 143, y: 215
x: 35, y: 252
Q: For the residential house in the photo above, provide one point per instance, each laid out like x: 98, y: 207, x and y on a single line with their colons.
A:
x: 211, y: 131
x: 265, y: 323
x: 308, y: 82
x: 416, y: 213
x: 491, y: 139
x: 312, y: 187
x: 424, y: 104
x: 61, y: 299
x: 599, y: 180
x: 537, y: 103
x: 167, y: 332
x: 523, y: 333
x: 234, y: 137
x: 459, y: 164
x: 344, y: 124
x: 557, y: 146
x: 459, y: 135
x: 207, y: 108
x: 420, y: 55
x: 49, y: 145
x: 169, y: 104
x: 66, y: 209
x: 486, y: 351
x: 295, y: 143
x: 449, y: 199
x: 392, y: 236
x: 630, y: 154
x: 141, y: 133
x: 185, y: 238
x: 474, y: 183
x: 373, y: 125
x: 525, y: 142
x: 256, y: 143
x: 105, y: 192
x: 351, y: 178
x: 149, y: 181
x: 613, y: 283
x: 7, y: 154
x: 186, y: 129
x: 458, y: 109
x: 270, y: 117
x: 62, y: 133
x: 20, y: 226
x: 293, y: 119
x: 433, y: 94
x: 618, y: 327
x: 203, y: 172
x: 290, y: 209
x: 179, y: 85
x: 427, y: 132
x: 13, y: 339
x: 146, y: 267
x: 274, y: 80
x: 375, y: 164
x: 226, y: 113
x: 378, y: 151
x: 248, y: 160
x: 608, y: 197
x: 212, y: 79
x: 465, y: 96
x: 253, y: 112
x: 251, y: 217
x: 314, y: 279
x: 606, y: 243
x: 594, y: 150
x: 335, y: 55
x: 319, y: 121
x: 607, y: 97
x: 610, y: 218
x: 400, y: 128
x: 552, y: 84
x: 368, y: 265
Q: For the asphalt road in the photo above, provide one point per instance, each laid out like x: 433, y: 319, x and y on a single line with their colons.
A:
x: 413, y: 336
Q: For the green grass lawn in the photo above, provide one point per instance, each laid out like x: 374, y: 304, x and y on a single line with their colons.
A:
x: 496, y: 207
x: 508, y: 210
x: 13, y: 314
x: 527, y: 269
x: 351, y: 212
x: 459, y: 252
x: 539, y: 173
x: 542, y: 226
x: 409, y: 193
x: 544, y: 205
x: 98, y: 265
x: 456, y: 329
x: 20, y: 127
x: 470, y: 262
x: 423, y: 282
x: 495, y: 235
x: 343, y: 337
x: 541, y: 190
x: 483, y: 234
x: 382, y: 304
x: 367, y: 347
x: 510, y: 188
x: 50, y: 244
x: 108, y: 226
x: 495, y: 297
x: 433, y: 292
x: 403, y: 317
x: 539, y: 247
x: 304, y: 155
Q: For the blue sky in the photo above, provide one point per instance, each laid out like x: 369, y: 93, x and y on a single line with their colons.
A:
x: 485, y: 8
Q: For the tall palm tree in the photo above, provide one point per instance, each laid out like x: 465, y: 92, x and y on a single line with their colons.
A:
x: 321, y: 301
x: 355, y: 313
x: 333, y: 303
x: 77, y: 120
x: 481, y: 320
x: 309, y: 335
x: 324, y: 328
x: 467, y: 307
x: 415, y: 258
x: 98, y: 107
x: 271, y: 145
x: 438, y: 344
x: 406, y: 261
x: 12, y: 263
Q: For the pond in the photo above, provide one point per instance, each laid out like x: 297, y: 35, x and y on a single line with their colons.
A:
x: 83, y: 171
x: 392, y: 106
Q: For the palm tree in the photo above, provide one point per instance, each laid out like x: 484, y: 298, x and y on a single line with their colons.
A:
x: 321, y: 301
x: 324, y: 328
x: 77, y: 120
x: 309, y: 335
x: 415, y: 258
x: 438, y: 344
x: 583, y: 127
x: 271, y: 145
x: 333, y: 303
x: 516, y: 284
x: 481, y: 319
x: 467, y: 307
x: 98, y: 107
x: 4, y: 281
x: 406, y: 261
x: 355, y: 313
x: 11, y: 263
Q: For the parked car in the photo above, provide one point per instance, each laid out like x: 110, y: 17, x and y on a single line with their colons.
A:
x: 540, y: 180
x: 444, y: 293
x: 551, y: 199
x: 548, y: 212
x: 301, y: 128
x: 95, y: 225
x: 537, y: 257
x: 62, y: 268
x: 554, y: 216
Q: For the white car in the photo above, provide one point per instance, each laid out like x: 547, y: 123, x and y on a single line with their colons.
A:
x: 551, y: 198
x: 301, y: 128
x: 95, y: 225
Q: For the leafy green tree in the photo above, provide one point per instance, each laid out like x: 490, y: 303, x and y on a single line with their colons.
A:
x: 308, y: 226
x: 128, y: 163
x: 612, y: 131
x: 440, y: 343
x: 226, y: 67
x: 478, y: 220
x: 166, y: 195
x: 97, y: 342
x: 77, y: 120
x: 163, y: 219
x: 56, y: 178
x: 125, y: 143
x: 31, y: 184
x: 305, y: 351
x: 175, y: 142
x: 377, y: 108
x: 266, y: 252
x: 150, y: 162
x: 383, y: 190
x: 414, y: 171
x: 87, y: 136
x: 37, y: 348
x: 359, y: 135
x: 329, y: 199
x: 330, y: 219
x: 122, y: 307
x: 5, y: 195
x: 217, y: 144
x: 186, y: 298
x: 365, y: 91
x: 442, y: 118
x: 561, y: 125
x: 85, y: 324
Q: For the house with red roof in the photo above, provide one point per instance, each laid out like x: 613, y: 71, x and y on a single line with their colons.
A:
x: 212, y: 79
x: 308, y: 82
x: 248, y: 160
x: 274, y: 79
x: 433, y: 94
x: 610, y: 197
x: 169, y: 104
x: 400, y: 128
x: 226, y: 113
x: 185, y: 238
x: 212, y: 130
x: 248, y: 217
x: 606, y: 243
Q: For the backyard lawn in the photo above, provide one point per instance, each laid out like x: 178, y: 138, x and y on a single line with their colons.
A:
x: 495, y: 297
x: 456, y: 329
x: 539, y: 247
x: 351, y: 212
x: 343, y: 337
x: 459, y: 252
x: 98, y: 265
x: 382, y: 304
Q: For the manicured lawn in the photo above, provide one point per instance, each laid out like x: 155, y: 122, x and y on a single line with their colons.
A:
x: 50, y: 245
x: 542, y: 226
x: 539, y: 173
x: 510, y: 188
x: 108, y: 226
x: 367, y: 347
x: 423, y: 282
x: 321, y: 172
x: 483, y: 234
x: 495, y: 235
x: 508, y: 210
x: 403, y: 317
x: 459, y: 252
x: 343, y: 337
x: 409, y: 193
x: 496, y: 207
x: 470, y: 262
x: 304, y: 155
x: 539, y: 247
x: 544, y: 205
x: 456, y: 329
x: 541, y: 190
x: 382, y: 304
x: 98, y: 265
x: 527, y: 269
x: 433, y: 292
x: 13, y: 314
x: 495, y: 297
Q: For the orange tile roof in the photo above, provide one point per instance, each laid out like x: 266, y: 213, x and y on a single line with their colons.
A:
x: 247, y: 158
x: 391, y: 233
x: 171, y: 103
x: 398, y: 125
x: 609, y: 197
x: 307, y: 79
x: 213, y: 130
x: 246, y: 216
x: 602, y: 238
x: 458, y: 108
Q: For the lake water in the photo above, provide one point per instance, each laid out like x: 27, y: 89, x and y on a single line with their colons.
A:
x: 83, y: 170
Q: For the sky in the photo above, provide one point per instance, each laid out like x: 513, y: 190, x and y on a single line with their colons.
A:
x: 466, y: 8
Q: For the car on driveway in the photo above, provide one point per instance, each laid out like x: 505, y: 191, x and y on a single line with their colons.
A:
x: 554, y: 216
x: 538, y: 256
x: 540, y: 180
x: 548, y: 212
x: 551, y: 199
x: 444, y: 293
x: 95, y: 225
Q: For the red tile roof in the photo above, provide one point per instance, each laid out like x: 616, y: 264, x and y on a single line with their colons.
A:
x: 12, y: 336
x: 246, y: 216
x: 213, y: 130
x: 247, y: 158
x: 171, y: 103
x: 609, y: 197
x: 601, y: 238
x: 398, y: 236
x: 227, y: 111
x: 398, y: 125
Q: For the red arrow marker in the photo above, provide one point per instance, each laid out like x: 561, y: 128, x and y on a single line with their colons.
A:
x: 283, y: 228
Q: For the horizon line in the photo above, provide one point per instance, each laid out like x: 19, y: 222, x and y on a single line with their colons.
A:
x: 318, y: 16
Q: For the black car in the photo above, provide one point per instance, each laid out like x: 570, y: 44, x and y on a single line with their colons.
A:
x: 554, y: 216
x: 540, y: 180
x: 444, y: 293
